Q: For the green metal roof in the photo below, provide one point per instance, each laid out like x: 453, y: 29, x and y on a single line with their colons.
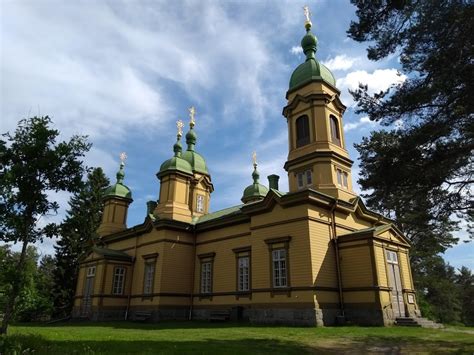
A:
x: 311, y: 69
x: 219, y: 214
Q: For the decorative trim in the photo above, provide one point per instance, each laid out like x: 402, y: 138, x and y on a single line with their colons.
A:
x: 150, y: 256
x: 286, y: 239
x: 207, y: 255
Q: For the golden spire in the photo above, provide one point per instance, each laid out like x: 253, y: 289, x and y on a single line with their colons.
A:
x: 307, y: 14
x: 180, y: 125
x: 254, y: 158
x: 123, y: 157
x: 192, y: 112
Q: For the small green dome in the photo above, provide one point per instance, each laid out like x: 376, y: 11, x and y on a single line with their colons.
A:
x: 176, y: 163
x: 256, y: 191
x: 119, y: 189
x: 311, y: 69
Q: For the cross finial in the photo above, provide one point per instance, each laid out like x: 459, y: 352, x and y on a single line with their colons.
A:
x: 307, y: 15
x: 254, y: 158
x: 192, y: 112
x: 180, y: 125
x: 123, y: 157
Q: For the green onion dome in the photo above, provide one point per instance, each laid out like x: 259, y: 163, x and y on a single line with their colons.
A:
x: 311, y: 69
x: 197, y: 162
x: 177, y: 162
x: 119, y: 189
x: 256, y: 191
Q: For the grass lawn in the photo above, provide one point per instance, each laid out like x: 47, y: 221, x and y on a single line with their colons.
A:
x: 228, y: 338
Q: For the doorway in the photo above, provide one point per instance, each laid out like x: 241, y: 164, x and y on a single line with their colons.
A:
x: 86, y: 306
x: 398, y: 305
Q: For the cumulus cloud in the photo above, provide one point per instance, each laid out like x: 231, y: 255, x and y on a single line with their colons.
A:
x: 340, y: 62
x: 296, y: 50
x: 379, y: 80
x: 363, y: 121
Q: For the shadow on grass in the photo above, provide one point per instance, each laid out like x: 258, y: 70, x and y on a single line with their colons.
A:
x: 28, y: 344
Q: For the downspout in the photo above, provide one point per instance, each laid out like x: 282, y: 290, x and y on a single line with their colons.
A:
x: 336, y: 249
x: 192, y: 278
x: 132, y: 269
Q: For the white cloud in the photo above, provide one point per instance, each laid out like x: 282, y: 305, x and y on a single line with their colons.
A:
x: 340, y: 62
x: 363, y: 121
x: 379, y: 80
x: 296, y: 50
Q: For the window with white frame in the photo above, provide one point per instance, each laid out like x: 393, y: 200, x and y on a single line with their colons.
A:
x: 119, y: 280
x: 279, y: 268
x: 244, y: 273
x: 342, y: 178
x: 149, y: 276
x: 304, y: 179
x: 206, y: 277
x: 200, y: 203
x: 91, y: 271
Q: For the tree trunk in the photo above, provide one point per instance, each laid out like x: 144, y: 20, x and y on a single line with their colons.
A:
x: 16, y: 288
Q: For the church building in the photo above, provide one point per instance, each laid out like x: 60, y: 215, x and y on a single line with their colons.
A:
x: 313, y: 255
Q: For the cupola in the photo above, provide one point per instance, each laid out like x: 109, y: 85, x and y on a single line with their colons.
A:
x: 117, y: 198
x: 197, y: 162
x: 255, y: 191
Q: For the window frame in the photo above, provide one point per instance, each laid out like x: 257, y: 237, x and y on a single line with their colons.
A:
x: 149, y: 259
x: 279, y: 268
x: 306, y: 139
x: 336, y: 137
x: 302, y: 179
x: 118, y: 280
x: 200, y: 208
x: 274, y: 244
x: 342, y: 178
x: 206, y: 259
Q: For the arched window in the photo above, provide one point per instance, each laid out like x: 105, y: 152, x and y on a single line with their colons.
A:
x: 335, y: 134
x: 302, y: 131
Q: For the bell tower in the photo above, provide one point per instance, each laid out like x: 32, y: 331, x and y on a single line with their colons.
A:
x: 317, y: 156
x: 117, y: 198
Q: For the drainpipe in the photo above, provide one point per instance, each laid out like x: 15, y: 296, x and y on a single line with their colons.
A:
x: 336, y: 249
x: 192, y: 279
x: 132, y: 269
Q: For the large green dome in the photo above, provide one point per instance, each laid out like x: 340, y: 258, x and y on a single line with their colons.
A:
x: 311, y: 69
x: 196, y: 161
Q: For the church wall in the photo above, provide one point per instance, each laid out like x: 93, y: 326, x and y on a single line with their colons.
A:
x: 356, y: 265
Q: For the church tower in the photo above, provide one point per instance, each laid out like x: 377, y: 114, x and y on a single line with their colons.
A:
x: 117, y: 198
x: 186, y: 187
x: 317, y: 157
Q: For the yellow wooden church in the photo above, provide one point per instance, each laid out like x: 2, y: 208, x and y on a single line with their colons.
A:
x: 314, y: 255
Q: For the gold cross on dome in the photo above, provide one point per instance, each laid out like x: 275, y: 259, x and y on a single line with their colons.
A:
x: 192, y: 112
x: 123, y: 157
x: 254, y: 158
x: 307, y: 14
x: 180, y: 125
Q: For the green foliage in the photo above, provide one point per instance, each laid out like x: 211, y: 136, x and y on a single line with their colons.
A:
x: 465, y: 283
x: 33, y: 164
x: 78, y: 234
x: 421, y: 172
x: 34, y: 301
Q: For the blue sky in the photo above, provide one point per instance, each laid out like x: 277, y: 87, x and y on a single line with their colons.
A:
x: 123, y: 72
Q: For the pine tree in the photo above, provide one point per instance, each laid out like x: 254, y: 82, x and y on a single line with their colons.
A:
x: 77, y: 236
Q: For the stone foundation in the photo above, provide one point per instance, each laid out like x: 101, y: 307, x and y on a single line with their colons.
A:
x: 283, y: 316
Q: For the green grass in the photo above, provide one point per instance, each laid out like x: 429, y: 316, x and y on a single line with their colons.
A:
x: 228, y: 338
